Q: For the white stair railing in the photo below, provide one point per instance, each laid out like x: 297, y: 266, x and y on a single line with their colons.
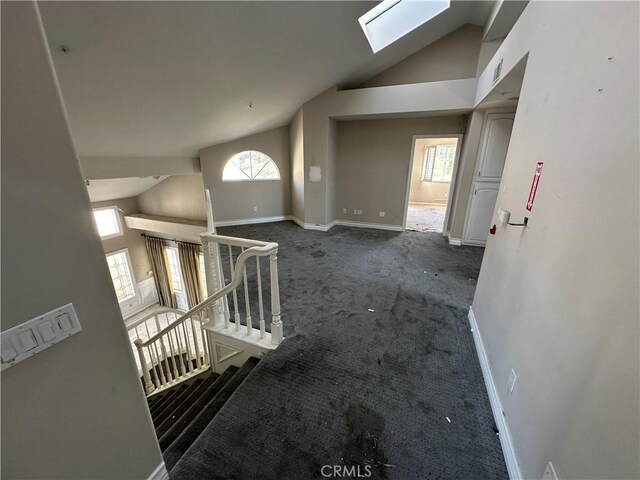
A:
x: 180, y: 350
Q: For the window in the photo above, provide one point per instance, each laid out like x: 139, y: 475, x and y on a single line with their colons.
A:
x: 108, y: 222
x: 390, y: 20
x: 203, y: 276
x: 438, y: 163
x: 174, y: 268
x: 250, y: 165
x: 121, y: 276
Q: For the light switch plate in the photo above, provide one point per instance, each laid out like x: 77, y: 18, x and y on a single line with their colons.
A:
x: 33, y: 336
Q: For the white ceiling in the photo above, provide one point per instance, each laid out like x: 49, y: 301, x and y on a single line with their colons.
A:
x: 113, y: 188
x: 168, y: 78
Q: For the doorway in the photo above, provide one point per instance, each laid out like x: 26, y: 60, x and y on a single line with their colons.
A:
x: 434, y: 161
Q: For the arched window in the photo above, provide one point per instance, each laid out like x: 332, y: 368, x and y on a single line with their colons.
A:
x: 250, y: 165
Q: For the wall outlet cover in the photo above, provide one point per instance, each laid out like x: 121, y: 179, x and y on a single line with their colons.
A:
x: 382, y: 214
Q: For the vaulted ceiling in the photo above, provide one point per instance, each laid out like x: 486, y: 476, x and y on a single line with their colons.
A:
x: 168, y: 78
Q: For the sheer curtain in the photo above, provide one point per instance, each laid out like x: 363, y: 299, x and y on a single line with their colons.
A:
x: 155, y: 250
x: 190, y: 266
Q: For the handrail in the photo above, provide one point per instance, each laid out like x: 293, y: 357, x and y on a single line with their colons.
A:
x: 234, y: 241
x: 265, y: 249
x: 157, y: 311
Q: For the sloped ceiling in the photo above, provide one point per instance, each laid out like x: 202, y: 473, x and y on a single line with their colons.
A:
x: 114, y: 188
x: 168, y: 78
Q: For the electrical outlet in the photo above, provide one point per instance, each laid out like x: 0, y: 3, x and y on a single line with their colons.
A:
x: 550, y: 472
x: 382, y: 214
x: 344, y: 210
x: 512, y: 380
x: 355, y: 212
x: 359, y: 212
x: 255, y: 209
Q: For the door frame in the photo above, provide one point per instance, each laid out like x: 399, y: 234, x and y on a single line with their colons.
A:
x: 452, y: 185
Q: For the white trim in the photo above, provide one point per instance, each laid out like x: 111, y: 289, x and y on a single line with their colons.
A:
x: 452, y: 184
x: 508, y: 449
x: 160, y: 473
x: 311, y: 226
x: 454, y: 241
x: 251, y: 221
x: 377, y: 226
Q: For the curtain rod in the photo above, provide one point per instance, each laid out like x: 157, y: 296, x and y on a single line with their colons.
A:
x: 170, y: 239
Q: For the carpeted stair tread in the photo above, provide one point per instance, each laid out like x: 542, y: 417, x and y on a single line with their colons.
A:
x: 175, y: 393
x: 164, y: 398
x: 181, y: 444
x: 180, y: 409
x: 165, y: 411
x: 174, y: 431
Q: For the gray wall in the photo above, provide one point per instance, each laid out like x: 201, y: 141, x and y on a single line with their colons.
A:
x: 558, y: 301
x: 180, y: 196
x: 235, y: 200
x: 373, y: 164
x: 453, y: 56
x: 297, y: 166
x: 131, y: 239
x: 77, y: 409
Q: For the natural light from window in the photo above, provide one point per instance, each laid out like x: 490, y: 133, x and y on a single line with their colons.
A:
x: 108, y: 221
x: 392, y: 19
x: 438, y: 163
x: 250, y: 165
x: 174, y: 268
x: 121, y: 275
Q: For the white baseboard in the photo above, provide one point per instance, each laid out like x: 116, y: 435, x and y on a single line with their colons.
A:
x: 378, y: 226
x: 311, y: 226
x: 159, y: 473
x: 345, y: 223
x: 454, y: 241
x: 251, y: 221
x: 513, y: 467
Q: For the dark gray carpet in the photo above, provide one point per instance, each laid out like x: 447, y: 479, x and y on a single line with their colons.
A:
x: 354, y: 387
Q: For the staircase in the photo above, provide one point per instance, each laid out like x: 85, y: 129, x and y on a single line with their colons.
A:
x: 181, y: 414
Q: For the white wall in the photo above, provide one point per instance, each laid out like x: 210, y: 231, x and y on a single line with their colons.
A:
x: 128, y: 167
x: 76, y: 410
x: 558, y: 301
x: 179, y: 196
x: 235, y: 200
x: 453, y: 56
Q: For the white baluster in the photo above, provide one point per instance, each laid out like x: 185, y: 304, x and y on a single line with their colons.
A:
x: 196, y: 346
x: 247, y: 302
x: 163, y: 379
x: 148, y: 385
x: 260, y: 305
x: 236, y: 312
x: 276, y: 322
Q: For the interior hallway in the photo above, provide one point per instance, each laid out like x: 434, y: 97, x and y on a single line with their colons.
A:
x: 377, y: 355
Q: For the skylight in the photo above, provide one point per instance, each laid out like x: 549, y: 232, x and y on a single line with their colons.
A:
x: 392, y: 19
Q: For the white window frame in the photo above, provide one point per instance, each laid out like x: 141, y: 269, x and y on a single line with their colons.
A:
x: 179, y: 266
x: 202, y: 268
x: 429, y: 179
x: 120, y: 231
x: 131, y: 274
x: 251, y: 179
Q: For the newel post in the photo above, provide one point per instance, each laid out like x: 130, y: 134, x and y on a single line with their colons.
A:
x: 276, y: 323
x: 148, y: 385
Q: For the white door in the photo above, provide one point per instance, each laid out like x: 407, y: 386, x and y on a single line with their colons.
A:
x: 496, y: 133
x: 483, y: 201
x: 493, y: 150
